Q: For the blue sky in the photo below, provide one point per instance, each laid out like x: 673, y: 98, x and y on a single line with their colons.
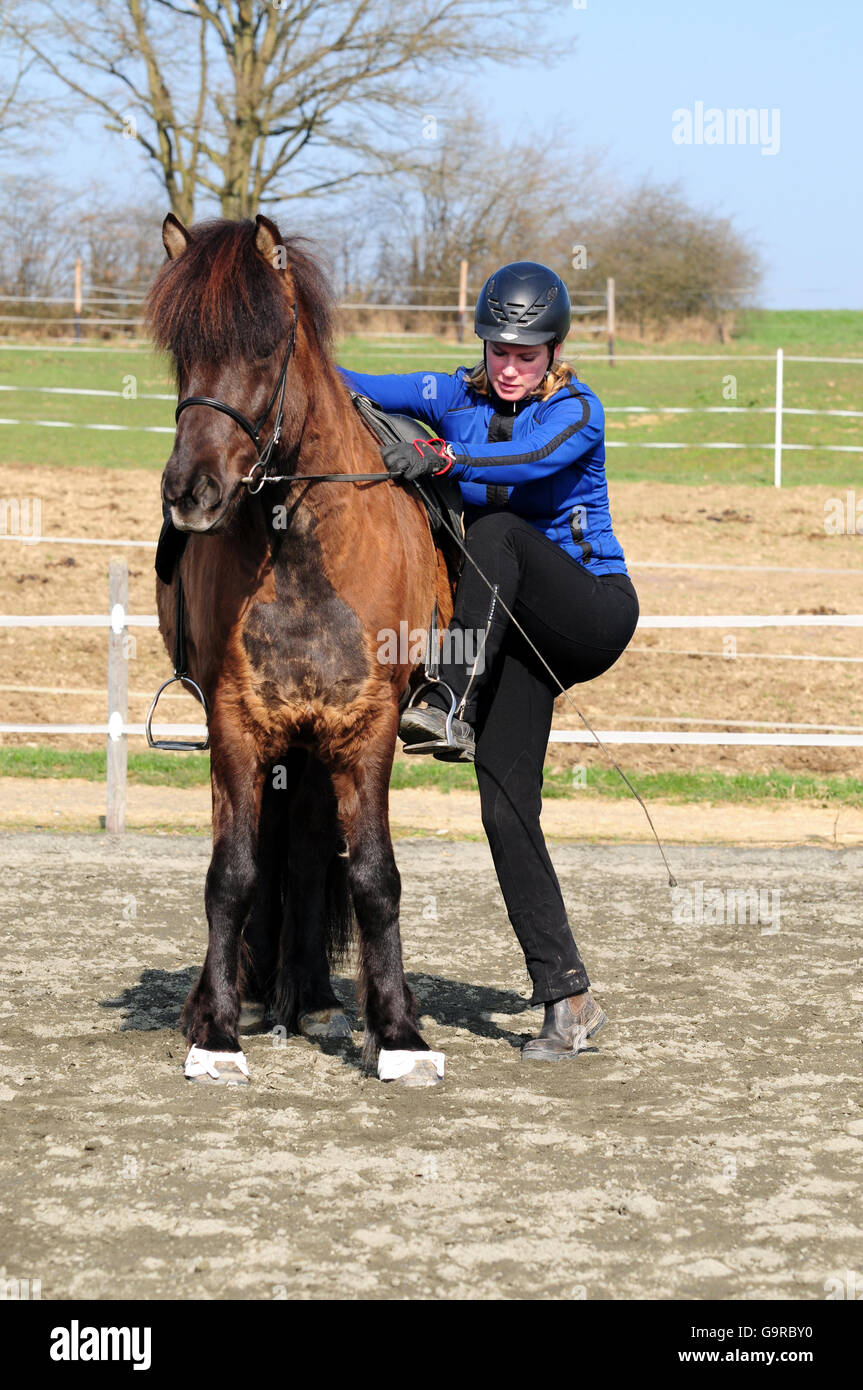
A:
x: 628, y: 66
x: 625, y: 67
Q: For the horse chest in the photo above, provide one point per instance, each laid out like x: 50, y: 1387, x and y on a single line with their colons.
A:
x: 306, y: 644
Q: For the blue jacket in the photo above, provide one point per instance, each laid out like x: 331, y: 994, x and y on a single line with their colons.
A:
x: 545, y: 460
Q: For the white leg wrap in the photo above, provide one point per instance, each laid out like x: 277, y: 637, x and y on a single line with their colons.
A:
x: 394, y: 1064
x: 200, y: 1062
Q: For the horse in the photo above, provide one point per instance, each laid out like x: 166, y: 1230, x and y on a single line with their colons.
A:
x: 286, y: 587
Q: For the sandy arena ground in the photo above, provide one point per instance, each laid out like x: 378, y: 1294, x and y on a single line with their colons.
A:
x: 708, y: 1147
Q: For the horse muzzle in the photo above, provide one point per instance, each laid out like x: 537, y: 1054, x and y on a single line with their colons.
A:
x: 199, y: 507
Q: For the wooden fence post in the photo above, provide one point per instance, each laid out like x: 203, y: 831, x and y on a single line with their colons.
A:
x: 118, y: 696
x: 79, y: 276
x: 609, y: 304
x: 462, y: 301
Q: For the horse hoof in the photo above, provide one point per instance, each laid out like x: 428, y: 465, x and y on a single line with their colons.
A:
x: 411, y: 1068
x: 216, y: 1068
x: 325, y: 1023
x: 252, y: 1015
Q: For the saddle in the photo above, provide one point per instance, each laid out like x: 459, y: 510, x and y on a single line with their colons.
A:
x: 441, y: 496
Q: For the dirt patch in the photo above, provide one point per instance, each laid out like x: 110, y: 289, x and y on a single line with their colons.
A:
x: 708, y: 1147
x: 73, y: 804
x: 707, y: 674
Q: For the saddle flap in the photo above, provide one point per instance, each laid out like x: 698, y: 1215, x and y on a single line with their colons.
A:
x: 445, y: 502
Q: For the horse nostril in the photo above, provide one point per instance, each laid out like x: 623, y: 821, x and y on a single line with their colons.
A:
x: 206, y: 493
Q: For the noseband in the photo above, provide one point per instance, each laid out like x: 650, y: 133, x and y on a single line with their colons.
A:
x: 253, y: 430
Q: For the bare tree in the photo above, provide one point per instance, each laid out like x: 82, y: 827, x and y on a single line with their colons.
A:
x: 670, y: 260
x: 488, y: 203
x: 251, y: 102
x: 35, y: 256
x: 16, y: 60
x: 121, y: 244
x: 43, y: 229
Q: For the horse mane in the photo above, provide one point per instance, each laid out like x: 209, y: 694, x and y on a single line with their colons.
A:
x: 221, y: 300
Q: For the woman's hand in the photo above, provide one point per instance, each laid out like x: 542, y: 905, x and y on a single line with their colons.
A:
x: 419, y: 459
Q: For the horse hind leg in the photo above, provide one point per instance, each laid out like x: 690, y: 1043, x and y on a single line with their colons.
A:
x: 318, y: 920
x: 259, y: 954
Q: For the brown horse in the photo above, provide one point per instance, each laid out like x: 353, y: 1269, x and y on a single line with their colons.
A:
x: 286, y: 592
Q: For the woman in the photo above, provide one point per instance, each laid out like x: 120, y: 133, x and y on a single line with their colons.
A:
x: 525, y: 442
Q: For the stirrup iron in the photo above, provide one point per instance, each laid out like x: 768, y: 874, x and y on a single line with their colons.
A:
x: 182, y: 745
x: 435, y: 743
x: 177, y: 745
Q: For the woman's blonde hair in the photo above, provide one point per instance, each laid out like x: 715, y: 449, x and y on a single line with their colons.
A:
x: 559, y: 374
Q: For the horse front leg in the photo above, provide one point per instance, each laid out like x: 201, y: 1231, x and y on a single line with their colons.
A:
x: 212, y: 1010
x: 392, y: 1037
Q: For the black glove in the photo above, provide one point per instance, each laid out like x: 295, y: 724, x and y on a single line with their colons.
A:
x: 417, y: 460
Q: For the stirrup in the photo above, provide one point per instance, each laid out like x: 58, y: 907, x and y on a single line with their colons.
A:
x: 435, y: 743
x: 177, y: 745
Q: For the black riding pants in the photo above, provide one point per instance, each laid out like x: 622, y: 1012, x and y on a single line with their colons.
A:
x: 581, y: 623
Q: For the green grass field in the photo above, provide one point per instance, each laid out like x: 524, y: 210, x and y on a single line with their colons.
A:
x: 651, y: 384
x: 193, y: 770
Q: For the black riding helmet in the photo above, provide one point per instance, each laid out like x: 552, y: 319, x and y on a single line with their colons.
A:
x: 523, y: 302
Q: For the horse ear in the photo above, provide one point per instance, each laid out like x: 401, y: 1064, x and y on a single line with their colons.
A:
x: 175, y: 238
x: 268, y: 240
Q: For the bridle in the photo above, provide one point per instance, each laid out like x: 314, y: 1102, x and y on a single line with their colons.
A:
x: 254, y: 480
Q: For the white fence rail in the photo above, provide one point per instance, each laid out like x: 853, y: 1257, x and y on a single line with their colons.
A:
x: 778, y: 447
x: 117, y: 728
x: 686, y: 620
x: 713, y: 740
